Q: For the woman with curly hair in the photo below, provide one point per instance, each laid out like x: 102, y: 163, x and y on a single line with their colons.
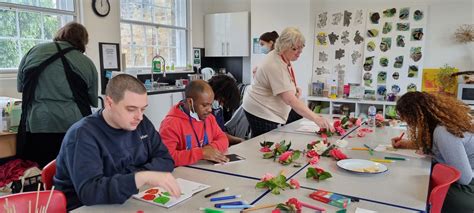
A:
x: 442, y: 127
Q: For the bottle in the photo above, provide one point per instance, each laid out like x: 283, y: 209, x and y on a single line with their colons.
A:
x: 371, y: 115
x: 333, y: 90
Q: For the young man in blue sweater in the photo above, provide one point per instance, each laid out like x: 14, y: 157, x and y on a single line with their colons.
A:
x: 108, y: 155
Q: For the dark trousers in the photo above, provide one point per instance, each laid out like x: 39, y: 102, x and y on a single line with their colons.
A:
x: 460, y: 198
x: 259, y: 126
x: 42, y: 148
x: 293, y: 116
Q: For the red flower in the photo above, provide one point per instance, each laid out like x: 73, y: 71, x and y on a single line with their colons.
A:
x: 324, y: 136
x: 276, y: 211
x: 294, y: 203
x: 294, y: 184
x: 340, y: 130
x: 314, y: 160
x: 312, y: 153
x: 337, y: 123
x: 285, y: 156
x: 265, y: 149
x: 319, y: 170
x: 358, y: 122
x: 337, y: 154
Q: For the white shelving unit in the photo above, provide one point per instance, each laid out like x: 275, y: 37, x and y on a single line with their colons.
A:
x: 356, y: 105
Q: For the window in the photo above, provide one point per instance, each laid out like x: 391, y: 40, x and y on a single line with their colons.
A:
x: 25, y: 23
x: 154, y: 27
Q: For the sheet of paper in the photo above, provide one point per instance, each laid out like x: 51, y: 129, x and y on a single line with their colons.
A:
x: 307, y: 123
x: 361, y: 210
x: 161, y: 197
x: 311, y: 129
x: 387, y: 148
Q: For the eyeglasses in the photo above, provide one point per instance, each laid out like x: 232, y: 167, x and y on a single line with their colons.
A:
x: 297, y: 48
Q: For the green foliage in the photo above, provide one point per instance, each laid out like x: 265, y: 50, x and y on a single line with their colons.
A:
x: 275, y: 185
x: 317, y: 174
x: 33, y: 29
x: 444, y: 77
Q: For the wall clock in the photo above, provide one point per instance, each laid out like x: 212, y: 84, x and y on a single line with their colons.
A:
x: 101, y: 7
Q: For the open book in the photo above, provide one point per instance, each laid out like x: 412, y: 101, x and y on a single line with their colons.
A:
x: 160, y: 197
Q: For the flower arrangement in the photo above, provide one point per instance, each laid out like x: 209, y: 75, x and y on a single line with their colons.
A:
x: 341, y: 126
x: 317, y: 173
x: 293, y: 205
x: 281, y: 151
x: 322, y: 148
x: 276, y: 183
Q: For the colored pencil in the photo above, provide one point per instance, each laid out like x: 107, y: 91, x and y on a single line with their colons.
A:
x: 225, y: 198
x: 209, y: 210
x: 260, y: 207
x: 236, y: 206
x: 371, y: 151
x: 394, y: 158
x: 312, y: 207
x: 381, y: 160
x: 360, y: 148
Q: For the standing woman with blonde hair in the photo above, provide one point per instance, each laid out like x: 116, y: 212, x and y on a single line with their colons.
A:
x: 58, y: 85
x: 275, y: 92
x: 442, y: 126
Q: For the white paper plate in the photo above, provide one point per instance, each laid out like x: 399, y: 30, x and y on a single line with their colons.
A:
x: 362, y: 166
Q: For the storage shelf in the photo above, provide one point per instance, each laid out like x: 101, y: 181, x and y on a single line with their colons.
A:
x: 360, y: 105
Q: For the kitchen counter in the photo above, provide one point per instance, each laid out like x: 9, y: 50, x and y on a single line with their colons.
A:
x: 165, y: 89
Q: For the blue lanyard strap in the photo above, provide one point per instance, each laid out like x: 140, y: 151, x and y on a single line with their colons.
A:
x: 205, y: 139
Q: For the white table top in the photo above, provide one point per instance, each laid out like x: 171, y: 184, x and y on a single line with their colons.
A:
x: 254, y: 165
x: 303, y: 196
x: 403, y: 187
x: 241, y: 186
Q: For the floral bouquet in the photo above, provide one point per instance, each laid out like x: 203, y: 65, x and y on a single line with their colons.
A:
x: 293, y: 205
x: 289, y: 156
x: 321, y: 148
x: 317, y: 173
x: 275, y: 184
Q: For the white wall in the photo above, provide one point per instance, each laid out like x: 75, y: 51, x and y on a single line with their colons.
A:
x: 100, y: 30
x: 269, y: 15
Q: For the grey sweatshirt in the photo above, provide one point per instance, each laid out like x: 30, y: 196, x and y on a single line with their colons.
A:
x: 454, y: 151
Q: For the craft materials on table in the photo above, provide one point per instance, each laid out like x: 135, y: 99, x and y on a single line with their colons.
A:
x: 388, y: 148
x: 216, y: 192
x: 230, y: 197
x: 381, y: 160
x: 395, y: 158
x: 371, y: 151
x: 218, y: 205
x: 330, y: 198
x: 265, y: 206
x: 159, y: 196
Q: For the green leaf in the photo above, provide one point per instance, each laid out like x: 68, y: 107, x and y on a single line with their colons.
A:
x: 276, y: 191
x: 325, y: 175
x: 311, y: 172
x: 268, y: 155
x: 296, y: 155
x: 260, y: 185
x: 326, y: 152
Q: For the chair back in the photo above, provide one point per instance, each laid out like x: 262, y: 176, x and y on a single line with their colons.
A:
x: 441, y: 178
x: 57, y: 204
x: 47, y: 175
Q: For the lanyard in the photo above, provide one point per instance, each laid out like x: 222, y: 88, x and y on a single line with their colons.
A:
x: 205, y: 139
x: 290, y: 71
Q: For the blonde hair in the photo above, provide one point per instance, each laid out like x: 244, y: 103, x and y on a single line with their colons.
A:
x: 289, y: 38
x: 124, y: 82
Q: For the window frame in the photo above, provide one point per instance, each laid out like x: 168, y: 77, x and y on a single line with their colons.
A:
x: 12, y: 72
x: 187, y: 30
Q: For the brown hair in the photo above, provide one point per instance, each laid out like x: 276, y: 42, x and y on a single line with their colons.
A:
x: 74, y: 33
x: 119, y: 84
x: 269, y: 36
x: 423, y: 112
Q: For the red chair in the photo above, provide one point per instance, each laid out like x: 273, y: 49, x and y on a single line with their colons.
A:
x: 441, y: 178
x: 47, y: 175
x: 57, y: 204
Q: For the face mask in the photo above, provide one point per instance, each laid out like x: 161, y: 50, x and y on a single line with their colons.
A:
x: 193, y: 112
x: 265, y: 49
x: 216, y: 104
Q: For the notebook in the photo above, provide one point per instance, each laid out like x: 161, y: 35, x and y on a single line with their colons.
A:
x: 161, y: 197
x: 233, y: 158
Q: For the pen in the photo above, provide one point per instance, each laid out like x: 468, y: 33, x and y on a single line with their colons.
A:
x: 218, y: 205
x: 216, y: 192
x: 225, y: 198
x: 371, y: 151
x: 209, y: 210
x: 394, y: 158
x: 401, y: 136
x: 236, y: 206
x: 260, y: 207
x: 381, y: 160
x: 312, y: 207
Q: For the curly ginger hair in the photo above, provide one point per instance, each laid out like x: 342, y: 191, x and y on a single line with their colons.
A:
x: 424, y: 111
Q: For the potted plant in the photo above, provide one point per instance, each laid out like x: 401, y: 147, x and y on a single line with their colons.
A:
x: 447, y: 83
